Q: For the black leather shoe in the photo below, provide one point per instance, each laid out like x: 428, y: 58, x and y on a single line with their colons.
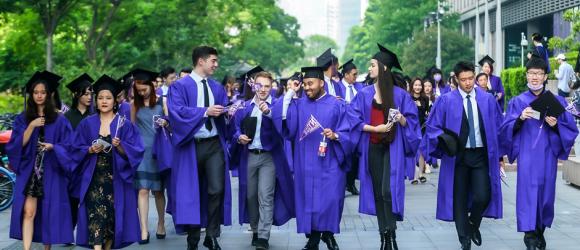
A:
x: 352, y: 189
x: 145, y: 241
x: 254, y: 239
x: 160, y: 236
x: 262, y: 244
x: 211, y: 243
x: 475, y: 234
x: 310, y: 246
x: 531, y: 241
x: 541, y: 240
x: 191, y: 246
x: 330, y: 241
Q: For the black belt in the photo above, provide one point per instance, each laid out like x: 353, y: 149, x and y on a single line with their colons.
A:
x: 474, y: 149
x: 202, y: 140
x: 257, y: 151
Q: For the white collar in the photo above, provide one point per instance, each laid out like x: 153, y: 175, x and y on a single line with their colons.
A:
x: 197, y: 78
x: 268, y: 100
x: 464, y: 94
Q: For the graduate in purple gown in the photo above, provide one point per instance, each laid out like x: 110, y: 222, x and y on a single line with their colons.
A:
x: 37, y: 151
x: 462, y: 131
x: 540, y: 50
x: 266, y: 193
x: 124, y: 97
x: 494, y: 82
x: 329, y: 63
x: 318, y: 125
x: 440, y: 87
x: 537, y: 145
x: 200, y: 171
x: 349, y: 88
x: 108, y: 149
x: 387, y: 146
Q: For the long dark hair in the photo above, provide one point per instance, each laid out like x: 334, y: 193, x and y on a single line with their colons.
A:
x: 139, y: 101
x: 386, y: 84
x: 412, y: 91
x: 50, y: 112
x: 77, y: 95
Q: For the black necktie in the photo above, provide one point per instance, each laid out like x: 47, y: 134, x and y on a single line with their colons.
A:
x: 208, y: 125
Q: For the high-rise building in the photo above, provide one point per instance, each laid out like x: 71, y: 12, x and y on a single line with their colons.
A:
x: 505, y: 30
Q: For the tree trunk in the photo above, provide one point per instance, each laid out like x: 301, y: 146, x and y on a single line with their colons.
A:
x: 49, y: 46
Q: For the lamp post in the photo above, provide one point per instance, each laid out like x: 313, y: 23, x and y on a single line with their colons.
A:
x: 432, y: 18
x: 523, y: 43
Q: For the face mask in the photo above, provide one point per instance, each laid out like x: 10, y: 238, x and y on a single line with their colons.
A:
x: 532, y: 88
x: 437, y: 77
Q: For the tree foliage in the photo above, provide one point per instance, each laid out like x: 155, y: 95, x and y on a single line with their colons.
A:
x: 394, y: 24
x: 570, y: 42
x: 420, y: 54
x: 115, y: 36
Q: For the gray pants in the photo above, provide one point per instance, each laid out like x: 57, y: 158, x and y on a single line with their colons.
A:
x: 260, y: 195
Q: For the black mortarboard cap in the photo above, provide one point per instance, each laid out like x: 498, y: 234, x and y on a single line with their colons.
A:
x: 485, y: 59
x: 547, y: 104
x: 313, y: 72
x: 251, y: 72
x: 326, y: 59
x: 448, y: 141
x: 387, y: 57
x: 348, y: 66
x: 51, y: 80
x: 537, y: 37
x: 536, y: 63
x: 105, y: 82
x: 80, y: 83
x: 143, y: 75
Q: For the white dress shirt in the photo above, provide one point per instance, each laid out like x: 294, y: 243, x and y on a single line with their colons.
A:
x: 331, y: 89
x: 256, y: 112
x: 347, y: 87
x: 203, y: 132
x: 478, y: 141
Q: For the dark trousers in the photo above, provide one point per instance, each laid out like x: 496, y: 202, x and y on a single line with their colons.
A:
x: 471, y: 183
x: 353, y: 172
x: 211, y: 167
x: 74, y: 208
x: 563, y: 94
x: 380, y: 169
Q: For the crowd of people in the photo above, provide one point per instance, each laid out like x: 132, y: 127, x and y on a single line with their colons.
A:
x: 295, y: 145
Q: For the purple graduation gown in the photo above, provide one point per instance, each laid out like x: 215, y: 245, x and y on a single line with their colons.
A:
x: 447, y: 112
x: 402, y: 150
x: 497, y: 86
x: 337, y: 88
x: 185, y: 118
x: 442, y: 89
x: 125, y: 109
x: 273, y: 142
x: 537, y: 166
x: 53, y: 222
x: 127, y: 229
x: 319, y: 181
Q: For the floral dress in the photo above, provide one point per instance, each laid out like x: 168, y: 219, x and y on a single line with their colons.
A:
x: 100, y: 199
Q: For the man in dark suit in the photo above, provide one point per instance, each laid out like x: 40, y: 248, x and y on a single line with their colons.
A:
x: 465, y: 139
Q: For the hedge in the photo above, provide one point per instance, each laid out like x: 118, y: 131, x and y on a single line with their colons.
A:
x: 514, y: 82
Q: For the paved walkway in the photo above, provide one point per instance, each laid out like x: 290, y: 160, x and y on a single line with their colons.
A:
x: 420, y: 230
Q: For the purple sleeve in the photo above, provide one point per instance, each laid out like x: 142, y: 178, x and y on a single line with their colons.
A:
x: 433, y: 128
x: 344, y: 129
x: 509, y: 140
x: 184, y: 119
x: 62, y: 144
x: 285, y: 127
x: 14, y: 149
x: 127, y: 164
x: 563, y: 141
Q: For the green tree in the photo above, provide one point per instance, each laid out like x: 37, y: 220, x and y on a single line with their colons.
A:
x: 571, y: 42
x: 420, y: 54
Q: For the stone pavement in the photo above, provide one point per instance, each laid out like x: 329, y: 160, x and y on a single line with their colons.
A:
x: 419, y: 230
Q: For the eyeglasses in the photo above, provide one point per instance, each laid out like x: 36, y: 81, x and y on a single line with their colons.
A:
x: 536, y: 74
